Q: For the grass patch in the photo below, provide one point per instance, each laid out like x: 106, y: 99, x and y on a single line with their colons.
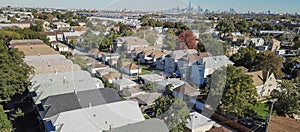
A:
x: 262, y: 109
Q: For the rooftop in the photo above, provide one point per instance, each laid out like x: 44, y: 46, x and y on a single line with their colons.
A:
x: 132, y: 40
x: 216, y: 61
x: 152, y: 77
x: 283, y: 124
x: 150, y: 125
x: 174, y: 81
x: 59, y: 83
x: 26, y: 42
x: 99, y: 118
x: 50, y: 63
x: 71, y: 101
x: 40, y: 49
x: 147, y: 98
x: 125, y: 82
x: 199, y: 121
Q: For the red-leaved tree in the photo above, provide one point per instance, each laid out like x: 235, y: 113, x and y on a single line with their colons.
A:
x: 189, y: 39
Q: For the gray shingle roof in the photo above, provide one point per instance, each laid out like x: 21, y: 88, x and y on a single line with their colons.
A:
x: 71, y: 101
x: 216, y: 61
x: 150, y: 125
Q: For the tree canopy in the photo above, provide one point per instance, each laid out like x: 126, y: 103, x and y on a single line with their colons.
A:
x: 14, y: 74
x: 174, y: 111
x: 288, y: 98
x: 189, y: 39
x: 238, y: 94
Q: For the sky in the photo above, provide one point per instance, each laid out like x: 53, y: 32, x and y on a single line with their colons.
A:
x: 281, y: 6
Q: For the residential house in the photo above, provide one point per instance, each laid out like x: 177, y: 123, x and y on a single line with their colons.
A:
x: 96, y: 53
x: 32, y: 47
x: 161, y: 85
x: 131, y: 69
x: 170, y: 62
x: 55, y: 63
x: 190, y: 92
x: 275, y: 45
x: 146, y: 101
x: 60, y: 25
x: 107, y: 70
x: 151, y: 78
x: 124, y: 83
x: 96, y: 66
x: 128, y: 44
x: 198, y: 123
x: 131, y: 92
x: 150, y: 125
x: 206, y: 66
x: 151, y: 56
x: 111, y: 77
x: 80, y: 29
x: 45, y: 85
x: 72, y: 38
x: 56, y: 104
x: 110, y: 59
x: 50, y: 35
x: 97, y: 118
x: 264, y: 82
x: 59, y: 46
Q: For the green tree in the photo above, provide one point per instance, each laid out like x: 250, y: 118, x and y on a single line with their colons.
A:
x: 5, y: 125
x: 37, y: 26
x: 246, y: 57
x: 92, y: 40
x: 269, y: 61
x: 72, y: 23
x: 288, y: 98
x: 174, y: 111
x: 149, y: 87
x: 170, y: 40
x: 238, y: 94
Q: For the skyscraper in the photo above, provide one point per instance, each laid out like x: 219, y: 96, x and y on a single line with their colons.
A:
x: 190, y: 7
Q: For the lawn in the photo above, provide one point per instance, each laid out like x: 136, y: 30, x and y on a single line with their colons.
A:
x: 262, y: 110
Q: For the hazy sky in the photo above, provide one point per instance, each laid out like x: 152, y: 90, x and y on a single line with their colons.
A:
x: 283, y: 6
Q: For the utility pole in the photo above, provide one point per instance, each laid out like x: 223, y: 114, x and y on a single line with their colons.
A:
x: 270, y: 114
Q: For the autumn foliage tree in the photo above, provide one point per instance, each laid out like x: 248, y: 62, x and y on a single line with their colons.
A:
x: 187, y: 37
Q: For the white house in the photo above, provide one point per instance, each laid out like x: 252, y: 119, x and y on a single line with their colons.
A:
x: 264, y: 82
x: 206, y: 66
x: 131, y: 69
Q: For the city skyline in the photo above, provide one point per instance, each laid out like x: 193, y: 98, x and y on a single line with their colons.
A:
x: 288, y: 6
